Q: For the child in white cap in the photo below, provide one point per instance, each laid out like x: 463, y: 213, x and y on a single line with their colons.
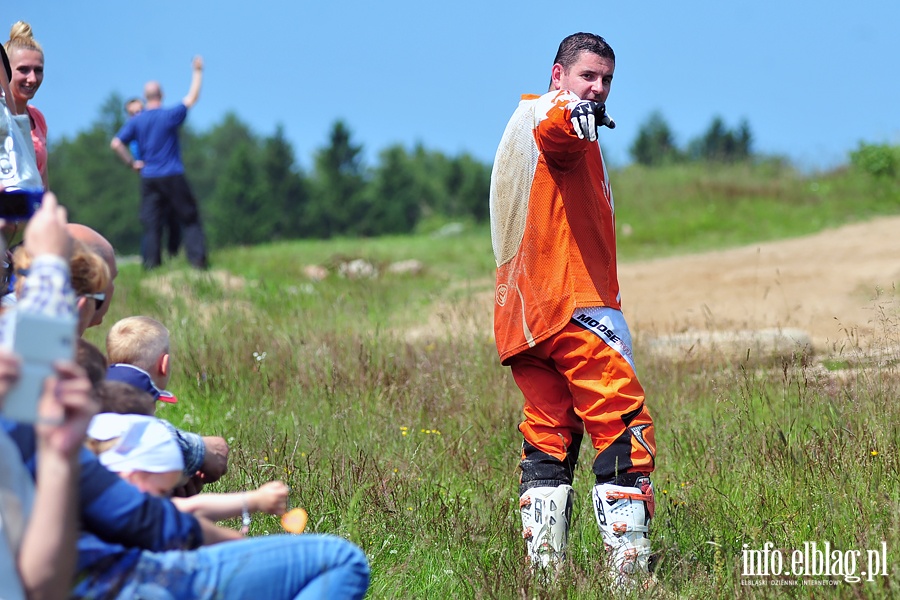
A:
x: 144, y: 452
x: 140, y: 449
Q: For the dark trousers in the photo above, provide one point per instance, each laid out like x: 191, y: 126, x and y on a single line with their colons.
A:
x: 173, y: 234
x: 160, y: 197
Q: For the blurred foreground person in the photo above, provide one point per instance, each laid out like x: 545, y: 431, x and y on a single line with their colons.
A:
x: 145, y: 453
x: 39, y: 521
x: 132, y: 544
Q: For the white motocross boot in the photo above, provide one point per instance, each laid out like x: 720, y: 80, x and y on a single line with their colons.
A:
x: 623, y: 516
x: 546, y: 512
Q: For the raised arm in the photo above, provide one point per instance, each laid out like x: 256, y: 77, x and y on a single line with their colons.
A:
x: 196, y: 82
x: 47, y: 289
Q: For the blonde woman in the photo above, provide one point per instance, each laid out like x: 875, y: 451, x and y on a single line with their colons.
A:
x: 90, y: 276
x: 26, y: 59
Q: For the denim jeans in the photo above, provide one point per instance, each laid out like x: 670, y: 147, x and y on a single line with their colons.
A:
x: 269, y: 567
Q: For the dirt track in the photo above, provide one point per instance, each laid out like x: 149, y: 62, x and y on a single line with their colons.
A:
x: 837, y: 286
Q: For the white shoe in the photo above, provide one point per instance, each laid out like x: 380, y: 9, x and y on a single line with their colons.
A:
x: 623, y: 516
x: 546, y: 512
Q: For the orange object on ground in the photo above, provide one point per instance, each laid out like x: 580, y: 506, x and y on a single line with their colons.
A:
x: 294, y: 520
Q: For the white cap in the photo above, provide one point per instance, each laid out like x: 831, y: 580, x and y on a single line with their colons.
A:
x: 146, y: 444
x: 108, y: 426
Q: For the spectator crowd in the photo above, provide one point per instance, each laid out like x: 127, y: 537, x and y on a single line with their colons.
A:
x: 99, y: 497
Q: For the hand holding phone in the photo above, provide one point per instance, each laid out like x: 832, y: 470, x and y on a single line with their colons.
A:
x: 40, y: 341
x: 47, y: 232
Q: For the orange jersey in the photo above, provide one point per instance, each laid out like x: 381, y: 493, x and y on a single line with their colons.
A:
x: 552, y: 224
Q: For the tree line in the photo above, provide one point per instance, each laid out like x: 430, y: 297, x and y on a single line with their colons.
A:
x: 252, y: 190
x: 655, y: 143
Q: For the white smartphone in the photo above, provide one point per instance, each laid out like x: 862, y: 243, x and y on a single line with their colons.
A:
x: 40, y: 341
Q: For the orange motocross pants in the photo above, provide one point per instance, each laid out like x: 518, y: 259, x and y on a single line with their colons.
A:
x: 583, y: 378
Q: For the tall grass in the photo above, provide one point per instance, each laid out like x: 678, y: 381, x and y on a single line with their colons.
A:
x: 381, y: 403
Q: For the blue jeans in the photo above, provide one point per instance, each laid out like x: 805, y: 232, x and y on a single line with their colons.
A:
x: 270, y: 567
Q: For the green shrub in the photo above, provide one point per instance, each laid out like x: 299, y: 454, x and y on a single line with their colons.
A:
x: 878, y: 160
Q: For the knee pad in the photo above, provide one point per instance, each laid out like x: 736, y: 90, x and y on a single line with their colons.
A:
x: 546, y: 513
x: 623, y: 516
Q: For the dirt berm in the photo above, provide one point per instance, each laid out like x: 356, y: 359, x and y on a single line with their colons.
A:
x: 835, y: 291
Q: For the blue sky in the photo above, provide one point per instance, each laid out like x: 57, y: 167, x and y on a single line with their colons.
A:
x: 813, y: 78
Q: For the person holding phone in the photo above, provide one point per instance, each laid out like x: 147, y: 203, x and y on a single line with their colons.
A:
x: 80, y: 490
x: 45, y: 551
x: 42, y: 549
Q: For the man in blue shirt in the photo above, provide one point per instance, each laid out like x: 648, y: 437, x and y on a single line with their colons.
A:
x: 164, y: 187
x: 134, y: 107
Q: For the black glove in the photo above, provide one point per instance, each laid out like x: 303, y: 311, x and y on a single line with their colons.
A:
x: 587, y: 116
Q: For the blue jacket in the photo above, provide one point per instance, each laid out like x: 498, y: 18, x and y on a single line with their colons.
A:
x: 118, y: 522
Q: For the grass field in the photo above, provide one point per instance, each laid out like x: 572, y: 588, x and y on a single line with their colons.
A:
x: 407, y: 444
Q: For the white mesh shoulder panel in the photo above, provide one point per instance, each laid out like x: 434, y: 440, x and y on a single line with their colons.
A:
x: 511, y: 179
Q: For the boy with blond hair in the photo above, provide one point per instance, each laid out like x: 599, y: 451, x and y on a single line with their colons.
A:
x: 138, y: 352
x: 142, y: 342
